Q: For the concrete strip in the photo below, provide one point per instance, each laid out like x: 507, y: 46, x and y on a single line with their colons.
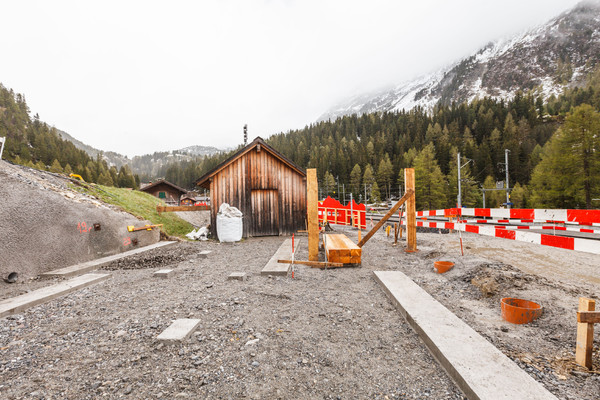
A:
x: 283, y: 253
x: 163, y: 273
x: 240, y: 276
x: 179, y: 330
x: 204, y: 253
x: 479, y: 369
x: 85, y: 267
x: 20, y: 303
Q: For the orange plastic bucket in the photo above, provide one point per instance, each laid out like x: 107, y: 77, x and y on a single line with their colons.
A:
x: 519, y: 311
x: 443, y: 266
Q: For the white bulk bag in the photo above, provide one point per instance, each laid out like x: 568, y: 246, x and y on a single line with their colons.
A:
x: 229, y: 224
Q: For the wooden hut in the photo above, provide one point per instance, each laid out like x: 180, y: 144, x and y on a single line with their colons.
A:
x: 268, y: 188
x: 165, y: 190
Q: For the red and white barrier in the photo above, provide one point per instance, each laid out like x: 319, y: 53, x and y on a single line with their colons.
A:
x: 569, y: 243
x: 580, y: 217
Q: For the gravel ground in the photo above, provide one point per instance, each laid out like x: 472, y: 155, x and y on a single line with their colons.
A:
x: 472, y: 290
x: 326, y: 334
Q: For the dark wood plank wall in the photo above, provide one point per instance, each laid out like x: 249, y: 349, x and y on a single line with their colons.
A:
x: 270, y: 194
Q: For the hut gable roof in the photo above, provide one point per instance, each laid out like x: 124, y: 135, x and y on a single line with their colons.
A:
x: 204, y: 181
x: 162, y: 181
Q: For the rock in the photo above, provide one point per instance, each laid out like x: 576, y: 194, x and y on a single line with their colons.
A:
x: 251, y: 342
x: 255, y: 363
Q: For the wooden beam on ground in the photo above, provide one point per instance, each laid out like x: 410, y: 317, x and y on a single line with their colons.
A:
x: 338, y: 248
x: 404, y: 198
x: 312, y: 209
x: 589, y: 317
x: 585, y: 335
x: 161, y: 209
x: 314, y: 264
x: 411, y: 210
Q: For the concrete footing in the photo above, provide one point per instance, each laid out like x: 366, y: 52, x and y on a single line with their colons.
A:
x: 163, y: 273
x: 238, y: 276
x: 204, y: 253
x: 283, y: 253
x: 479, y: 369
x: 20, y: 303
x: 179, y: 330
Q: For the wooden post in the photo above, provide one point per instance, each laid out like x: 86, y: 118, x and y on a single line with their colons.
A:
x: 312, y: 187
x: 411, y: 210
x: 395, y: 233
x: 395, y: 208
x: 585, y: 335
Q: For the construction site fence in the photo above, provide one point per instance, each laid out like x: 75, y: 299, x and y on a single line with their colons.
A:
x: 334, y: 212
x: 516, y: 224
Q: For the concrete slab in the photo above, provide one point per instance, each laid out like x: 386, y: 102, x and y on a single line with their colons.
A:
x: 240, y: 276
x: 163, y: 273
x: 479, y: 369
x: 179, y: 330
x: 283, y: 253
x: 204, y: 254
x: 85, y: 267
x: 20, y: 303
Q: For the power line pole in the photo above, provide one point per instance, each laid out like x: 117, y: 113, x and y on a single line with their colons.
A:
x: 458, y: 202
x: 506, y: 151
x: 459, y: 197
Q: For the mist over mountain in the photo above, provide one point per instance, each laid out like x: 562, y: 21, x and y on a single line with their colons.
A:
x: 148, y: 166
x: 544, y: 60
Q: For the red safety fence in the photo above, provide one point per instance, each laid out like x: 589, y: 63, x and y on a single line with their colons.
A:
x: 580, y: 217
x: 354, y: 214
x: 517, y: 224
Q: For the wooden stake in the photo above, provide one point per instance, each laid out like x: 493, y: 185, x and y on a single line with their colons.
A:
x: 411, y: 210
x: 404, y: 198
x: 395, y: 233
x: 585, y: 335
x: 312, y: 209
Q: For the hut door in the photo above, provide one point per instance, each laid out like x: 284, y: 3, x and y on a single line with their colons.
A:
x: 265, y: 213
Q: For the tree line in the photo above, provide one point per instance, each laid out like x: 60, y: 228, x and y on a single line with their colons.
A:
x: 33, y: 143
x: 553, y: 158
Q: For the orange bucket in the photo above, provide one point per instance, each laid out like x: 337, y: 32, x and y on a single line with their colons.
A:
x: 443, y: 266
x: 519, y: 311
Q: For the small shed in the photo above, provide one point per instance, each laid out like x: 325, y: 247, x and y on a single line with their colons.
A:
x: 268, y: 188
x: 165, y: 190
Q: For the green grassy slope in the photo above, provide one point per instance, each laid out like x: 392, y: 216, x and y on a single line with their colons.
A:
x: 141, y: 205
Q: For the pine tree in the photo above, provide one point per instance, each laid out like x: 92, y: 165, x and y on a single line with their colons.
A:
x: 375, y: 193
x: 355, y: 176
x: 328, y: 183
x: 56, y: 167
x: 431, y: 186
x: 384, y: 174
x: 368, y: 178
x: 568, y: 176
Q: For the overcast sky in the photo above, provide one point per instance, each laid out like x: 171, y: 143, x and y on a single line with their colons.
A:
x: 142, y: 76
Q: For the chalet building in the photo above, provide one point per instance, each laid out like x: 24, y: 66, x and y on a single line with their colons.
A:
x: 187, y: 200
x: 166, y: 191
x: 268, y: 188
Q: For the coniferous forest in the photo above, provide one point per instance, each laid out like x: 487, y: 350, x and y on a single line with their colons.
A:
x: 553, y: 151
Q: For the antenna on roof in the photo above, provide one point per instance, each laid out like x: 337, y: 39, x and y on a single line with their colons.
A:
x: 245, y: 134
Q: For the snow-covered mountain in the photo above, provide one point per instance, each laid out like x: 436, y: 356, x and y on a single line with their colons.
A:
x: 543, y: 60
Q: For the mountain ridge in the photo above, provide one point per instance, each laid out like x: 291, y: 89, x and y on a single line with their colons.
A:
x: 543, y: 60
